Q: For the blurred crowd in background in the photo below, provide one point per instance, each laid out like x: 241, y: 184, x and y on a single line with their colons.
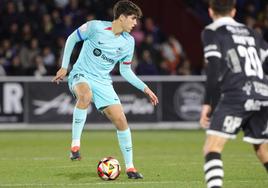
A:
x: 33, y: 34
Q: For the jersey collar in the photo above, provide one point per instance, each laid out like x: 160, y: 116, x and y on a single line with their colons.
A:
x: 225, y: 20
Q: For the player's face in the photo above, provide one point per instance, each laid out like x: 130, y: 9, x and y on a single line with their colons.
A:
x: 129, y: 22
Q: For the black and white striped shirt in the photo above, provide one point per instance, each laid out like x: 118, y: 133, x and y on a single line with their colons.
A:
x: 236, y: 56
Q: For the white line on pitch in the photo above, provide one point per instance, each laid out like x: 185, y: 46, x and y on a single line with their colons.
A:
x: 122, y: 183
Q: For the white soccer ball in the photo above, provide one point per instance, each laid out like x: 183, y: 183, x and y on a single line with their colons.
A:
x: 108, y: 168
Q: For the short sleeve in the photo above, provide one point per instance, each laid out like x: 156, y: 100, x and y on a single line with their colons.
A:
x: 211, y: 46
x: 86, y: 30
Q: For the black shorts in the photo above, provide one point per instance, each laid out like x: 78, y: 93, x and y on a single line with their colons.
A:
x: 228, y: 119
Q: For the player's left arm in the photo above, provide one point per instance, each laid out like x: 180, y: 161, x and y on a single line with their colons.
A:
x: 127, y: 73
x: 212, y: 54
x: 130, y: 76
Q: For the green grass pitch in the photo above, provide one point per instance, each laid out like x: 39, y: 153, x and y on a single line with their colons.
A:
x: 165, y: 158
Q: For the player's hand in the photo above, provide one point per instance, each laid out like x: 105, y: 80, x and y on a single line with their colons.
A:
x: 204, y: 119
x: 60, y: 75
x: 151, y: 95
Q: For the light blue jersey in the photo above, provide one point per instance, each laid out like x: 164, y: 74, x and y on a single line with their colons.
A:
x: 100, y: 52
x: 102, y: 49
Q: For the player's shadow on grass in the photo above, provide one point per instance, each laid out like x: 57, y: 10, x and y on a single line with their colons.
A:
x: 78, y: 175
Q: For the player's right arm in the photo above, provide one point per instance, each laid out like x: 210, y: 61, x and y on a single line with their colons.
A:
x: 82, y: 33
x: 212, y: 54
x: 69, y: 45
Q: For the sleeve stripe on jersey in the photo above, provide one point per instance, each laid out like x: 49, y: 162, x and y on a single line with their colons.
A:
x: 127, y: 63
x: 213, y: 53
x: 79, y: 35
x: 108, y: 28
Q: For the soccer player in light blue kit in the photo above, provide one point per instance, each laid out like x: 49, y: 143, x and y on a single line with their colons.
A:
x: 105, y: 45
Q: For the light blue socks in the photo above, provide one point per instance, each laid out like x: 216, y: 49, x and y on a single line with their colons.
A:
x: 125, y: 143
x: 79, y: 119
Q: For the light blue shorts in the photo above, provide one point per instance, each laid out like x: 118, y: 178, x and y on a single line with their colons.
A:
x: 103, y: 95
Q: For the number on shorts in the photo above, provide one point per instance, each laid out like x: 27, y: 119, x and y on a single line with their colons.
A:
x: 231, y: 123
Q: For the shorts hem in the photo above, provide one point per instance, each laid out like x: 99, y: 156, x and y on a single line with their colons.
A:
x: 102, y: 107
x: 220, y: 134
x: 79, y: 82
x: 255, y: 140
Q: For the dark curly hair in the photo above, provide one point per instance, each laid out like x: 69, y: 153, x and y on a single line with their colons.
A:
x: 222, y: 7
x: 126, y: 8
